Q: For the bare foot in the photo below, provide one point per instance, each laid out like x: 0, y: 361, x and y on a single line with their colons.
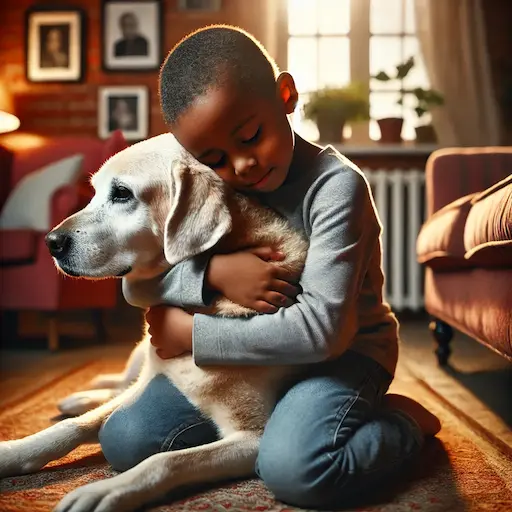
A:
x: 428, y: 422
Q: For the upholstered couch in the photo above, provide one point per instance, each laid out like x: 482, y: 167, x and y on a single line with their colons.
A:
x: 466, y: 246
x: 29, y: 207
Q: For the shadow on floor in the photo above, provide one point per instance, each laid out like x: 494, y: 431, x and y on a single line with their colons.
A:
x: 492, y: 387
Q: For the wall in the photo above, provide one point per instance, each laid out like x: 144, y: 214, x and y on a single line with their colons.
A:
x: 53, y: 109
x: 498, y: 20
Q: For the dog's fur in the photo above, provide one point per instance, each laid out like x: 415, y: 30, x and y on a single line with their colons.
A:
x: 179, y: 209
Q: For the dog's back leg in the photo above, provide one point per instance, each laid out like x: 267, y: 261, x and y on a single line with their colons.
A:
x: 231, y: 457
x: 31, y: 453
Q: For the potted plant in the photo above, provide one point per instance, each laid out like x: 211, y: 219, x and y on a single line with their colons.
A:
x: 391, y: 127
x: 332, y: 107
x: 426, y: 99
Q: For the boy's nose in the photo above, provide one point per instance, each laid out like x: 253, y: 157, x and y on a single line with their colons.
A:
x: 244, y: 165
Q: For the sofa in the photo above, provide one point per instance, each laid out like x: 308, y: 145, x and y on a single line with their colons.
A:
x: 466, y: 247
x: 29, y: 207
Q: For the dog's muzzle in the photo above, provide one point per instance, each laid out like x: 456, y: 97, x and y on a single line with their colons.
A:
x: 59, y: 244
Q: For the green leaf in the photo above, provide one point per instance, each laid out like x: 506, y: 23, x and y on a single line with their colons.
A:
x: 420, y: 111
x: 402, y: 70
x: 382, y: 76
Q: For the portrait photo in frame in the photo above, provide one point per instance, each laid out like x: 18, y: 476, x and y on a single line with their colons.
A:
x: 55, y: 45
x: 124, y: 108
x: 132, y: 35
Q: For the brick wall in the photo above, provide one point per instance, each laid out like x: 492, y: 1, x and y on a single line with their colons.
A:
x: 53, y: 109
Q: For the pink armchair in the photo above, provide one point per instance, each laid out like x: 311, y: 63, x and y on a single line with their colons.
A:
x: 28, y: 277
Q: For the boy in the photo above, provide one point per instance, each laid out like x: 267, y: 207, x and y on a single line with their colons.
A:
x: 333, y: 433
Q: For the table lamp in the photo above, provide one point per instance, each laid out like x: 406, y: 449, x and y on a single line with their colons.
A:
x: 8, y: 121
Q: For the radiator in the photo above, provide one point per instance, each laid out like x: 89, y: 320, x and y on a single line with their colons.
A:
x: 400, y: 200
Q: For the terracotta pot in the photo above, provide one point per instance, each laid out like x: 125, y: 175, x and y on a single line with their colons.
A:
x: 330, y: 129
x: 426, y: 134
x: 390, y: 130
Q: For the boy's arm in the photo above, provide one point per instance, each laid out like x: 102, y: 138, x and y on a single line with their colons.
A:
x: 182, y: 286
x: 344, y: 230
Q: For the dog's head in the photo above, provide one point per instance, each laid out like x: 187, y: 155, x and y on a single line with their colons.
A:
x: 154, y: 206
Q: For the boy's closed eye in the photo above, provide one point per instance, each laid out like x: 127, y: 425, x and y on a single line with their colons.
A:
x: 252, y: 135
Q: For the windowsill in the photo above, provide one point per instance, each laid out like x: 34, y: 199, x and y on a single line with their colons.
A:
x: 406, y: 149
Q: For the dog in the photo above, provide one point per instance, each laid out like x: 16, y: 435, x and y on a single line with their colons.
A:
x: 154, y: 206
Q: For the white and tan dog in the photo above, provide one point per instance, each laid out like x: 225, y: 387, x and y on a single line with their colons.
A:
x: 155, y: 206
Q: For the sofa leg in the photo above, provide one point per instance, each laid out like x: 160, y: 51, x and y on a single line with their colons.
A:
x: 443, y: 335
x: 99, y: 325
x: 53, y: 333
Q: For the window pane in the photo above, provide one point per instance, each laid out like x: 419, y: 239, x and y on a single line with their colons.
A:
x: 333, y: 16
x: 410, y: 20
x: 383, y: 104
x: 418, y: 74
x: 302, y: 62
x: 386, y: 17
x: 385, y: 55
x: 334, y: 61
x: 302, y: 17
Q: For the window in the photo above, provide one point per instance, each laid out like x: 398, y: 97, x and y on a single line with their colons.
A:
x: 332, y: 42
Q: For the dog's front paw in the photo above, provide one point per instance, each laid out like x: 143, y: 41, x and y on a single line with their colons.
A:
x: 14, y: 459
x: 103, y: 496
x: 83, y: 401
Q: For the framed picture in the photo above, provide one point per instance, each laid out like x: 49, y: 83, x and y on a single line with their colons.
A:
x: 132, y: 35
x: 199, y: 5
x: 123, y: 108
x: 55, y: 45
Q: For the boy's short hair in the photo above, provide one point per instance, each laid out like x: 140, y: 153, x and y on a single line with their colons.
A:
x: 210, y: 57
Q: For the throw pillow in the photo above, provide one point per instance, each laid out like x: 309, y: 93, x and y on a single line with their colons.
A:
x: 28, y: 205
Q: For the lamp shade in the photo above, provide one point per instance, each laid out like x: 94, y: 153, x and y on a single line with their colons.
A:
x: 8, y: 121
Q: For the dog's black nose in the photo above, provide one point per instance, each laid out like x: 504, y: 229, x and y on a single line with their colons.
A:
x: 58, y: 243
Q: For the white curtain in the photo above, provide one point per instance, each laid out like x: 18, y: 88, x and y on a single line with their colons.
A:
x: 453, y: 43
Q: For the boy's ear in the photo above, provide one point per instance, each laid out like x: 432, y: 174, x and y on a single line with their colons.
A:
x: 287, y: 91
x: 199, y: 216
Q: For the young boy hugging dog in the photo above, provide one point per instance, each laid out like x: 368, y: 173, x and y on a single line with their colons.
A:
x: 335, y: 433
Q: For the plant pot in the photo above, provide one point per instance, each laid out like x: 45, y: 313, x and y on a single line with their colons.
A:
x: 390, y: 130
x: 426, y: 134
x: 330, y: 129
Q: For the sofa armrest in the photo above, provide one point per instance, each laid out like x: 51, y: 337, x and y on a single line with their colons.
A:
x: 456, y: 172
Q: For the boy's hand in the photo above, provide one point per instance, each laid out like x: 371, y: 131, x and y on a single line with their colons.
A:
x: 170, y: 329
x: 247, y: 278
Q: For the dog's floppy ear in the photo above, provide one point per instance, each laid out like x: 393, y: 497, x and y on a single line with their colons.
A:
x: 198, y: 217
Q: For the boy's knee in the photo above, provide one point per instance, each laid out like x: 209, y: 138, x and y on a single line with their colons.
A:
x: 299, y: 476
x: 123, y: 442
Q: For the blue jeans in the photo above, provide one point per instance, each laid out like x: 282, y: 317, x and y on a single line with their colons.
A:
x: 326, y: 441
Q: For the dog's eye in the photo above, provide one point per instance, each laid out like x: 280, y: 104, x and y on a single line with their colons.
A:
x: 120, y: 193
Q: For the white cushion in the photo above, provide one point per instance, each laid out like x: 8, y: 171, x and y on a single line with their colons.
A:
x: 28, y: 205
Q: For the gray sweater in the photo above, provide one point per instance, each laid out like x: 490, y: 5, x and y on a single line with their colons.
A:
x: 341, y: 306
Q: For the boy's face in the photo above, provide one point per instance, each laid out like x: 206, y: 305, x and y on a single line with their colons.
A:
x: 244, y: 137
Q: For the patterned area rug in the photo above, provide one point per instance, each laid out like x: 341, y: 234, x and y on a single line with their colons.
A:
x: 463, y: 469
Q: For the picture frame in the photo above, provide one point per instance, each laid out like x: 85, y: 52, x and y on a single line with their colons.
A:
x: 132, y: 35
x: 199, y: 5
x: 55, y: 44
x: 125, y: 108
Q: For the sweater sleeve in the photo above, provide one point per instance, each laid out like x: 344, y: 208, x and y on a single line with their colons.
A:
x: 344, y: 229
x: 182, y: 286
